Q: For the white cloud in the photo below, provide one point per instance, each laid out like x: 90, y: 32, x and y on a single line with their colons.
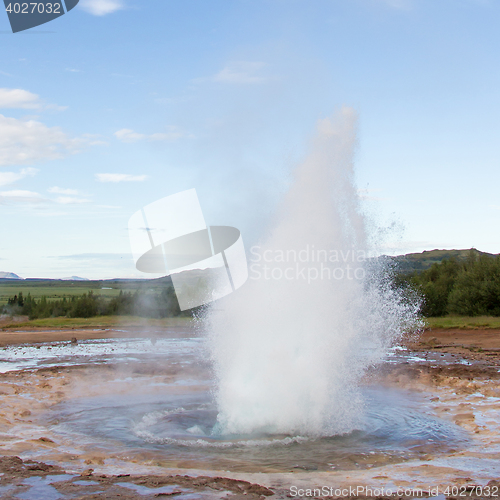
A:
x: 58, y: 190
x: 11, y: 177
x: 496, y: 207
x: 70, y: 200
x: 31, y: 197
x: 23, y: 99
x: 30, y: 141
x: 18, y: 98
x: 21, y: 196
x: 93, y: 256
x: 240, y: 72
x: 101, y: 7
x: 128, y: 135
x: 93, y: 140
x: 173, y: 134
x: 120, y: 178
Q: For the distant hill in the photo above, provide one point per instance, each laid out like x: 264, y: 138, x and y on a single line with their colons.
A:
x: 404, y: 263
x: 9, y: 276
x: 420, y: 261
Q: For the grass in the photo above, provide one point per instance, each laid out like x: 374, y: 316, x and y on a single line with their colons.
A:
x: 464, y: 322
x: 99, y: 322
x: 57, y: 289
x: 51, y: 292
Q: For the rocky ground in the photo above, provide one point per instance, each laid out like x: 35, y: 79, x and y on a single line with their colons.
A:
x: 457, y: 372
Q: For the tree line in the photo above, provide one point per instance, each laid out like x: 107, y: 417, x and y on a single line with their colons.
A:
x: 146, y: 304
x: 469, y: 287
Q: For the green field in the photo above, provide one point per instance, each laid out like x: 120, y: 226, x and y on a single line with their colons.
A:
x: 464, y: 322
x: 58, y: 289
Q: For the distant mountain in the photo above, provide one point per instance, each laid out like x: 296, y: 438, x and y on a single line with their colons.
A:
x: 421, y: 261
x: 9, y: 276
x: 404, y: 263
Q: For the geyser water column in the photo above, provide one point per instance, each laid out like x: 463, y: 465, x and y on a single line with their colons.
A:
x: 290, y: 347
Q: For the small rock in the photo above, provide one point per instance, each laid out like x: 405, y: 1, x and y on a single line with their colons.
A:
x: 45, y: 440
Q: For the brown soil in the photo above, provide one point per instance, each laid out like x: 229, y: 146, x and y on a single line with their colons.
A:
x: 485, y: 339
x: 34, y: 335
x: 470, y: 344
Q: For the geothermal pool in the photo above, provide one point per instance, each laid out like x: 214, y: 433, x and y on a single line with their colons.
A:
x: 151, y: 400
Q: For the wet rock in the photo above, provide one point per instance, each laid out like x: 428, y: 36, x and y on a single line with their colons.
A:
x: 45, y: 440
x: 40, y: 466
x: 13, y: 468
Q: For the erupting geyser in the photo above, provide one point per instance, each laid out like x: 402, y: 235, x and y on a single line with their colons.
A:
x: 290, y: 347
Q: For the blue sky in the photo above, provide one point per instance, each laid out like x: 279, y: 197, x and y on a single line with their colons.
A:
x: 122, y: 102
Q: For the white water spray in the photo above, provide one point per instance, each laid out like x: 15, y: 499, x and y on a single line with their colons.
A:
x: 289, y: 348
